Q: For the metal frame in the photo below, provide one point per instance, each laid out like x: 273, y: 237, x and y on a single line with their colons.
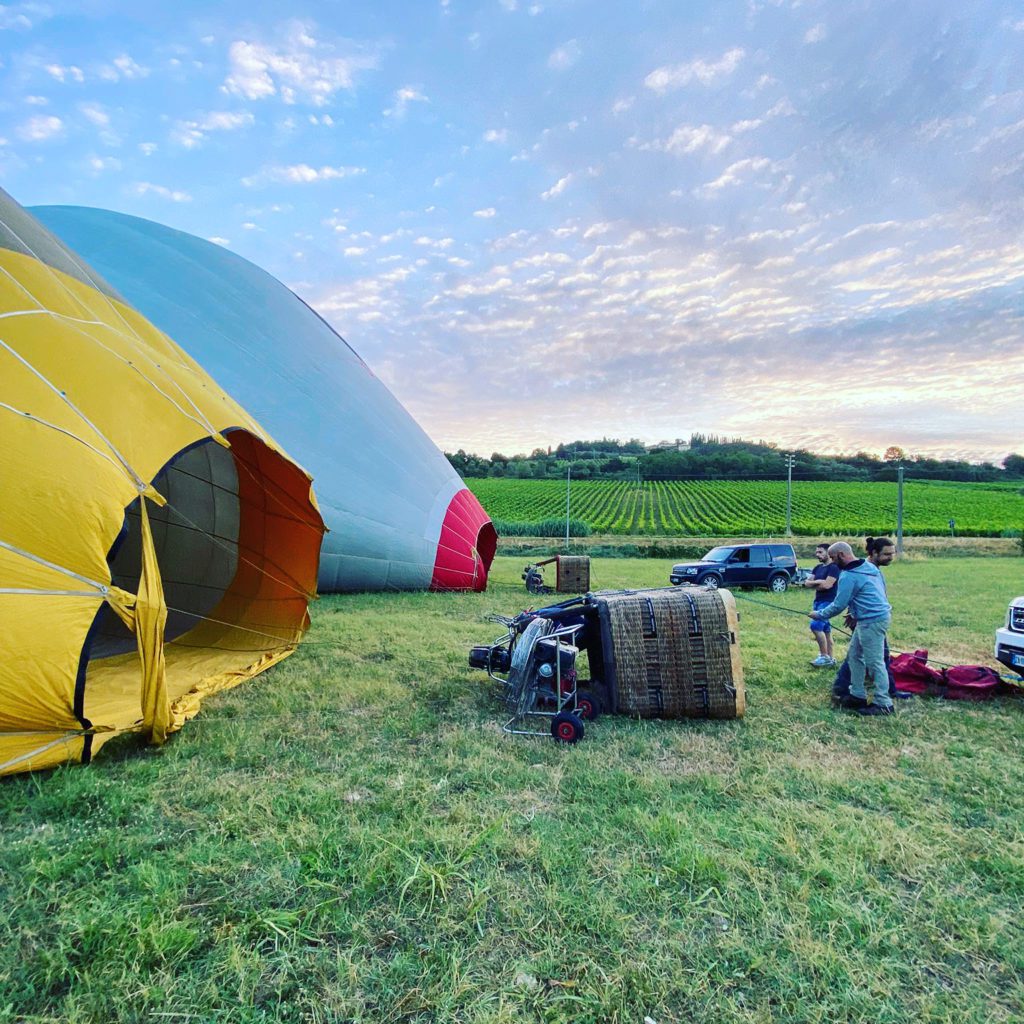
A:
x: 523, y: 699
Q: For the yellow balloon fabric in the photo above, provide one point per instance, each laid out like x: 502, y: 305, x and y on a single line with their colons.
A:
x: 155, y: 544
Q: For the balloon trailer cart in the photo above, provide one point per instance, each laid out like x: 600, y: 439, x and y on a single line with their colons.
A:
x: 663, y: 653
x: 534, y: 664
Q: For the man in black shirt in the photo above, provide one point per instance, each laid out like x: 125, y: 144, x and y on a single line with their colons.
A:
x: 823, y: 582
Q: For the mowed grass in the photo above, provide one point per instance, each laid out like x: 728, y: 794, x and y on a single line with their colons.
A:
x: 352, y: 838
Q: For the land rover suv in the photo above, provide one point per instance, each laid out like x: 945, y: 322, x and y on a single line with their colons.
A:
x: 740, y: 565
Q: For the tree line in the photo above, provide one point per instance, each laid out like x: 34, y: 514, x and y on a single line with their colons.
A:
x: 707, y: 456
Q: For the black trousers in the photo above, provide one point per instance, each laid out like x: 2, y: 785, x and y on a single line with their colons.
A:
x: 841, y: 684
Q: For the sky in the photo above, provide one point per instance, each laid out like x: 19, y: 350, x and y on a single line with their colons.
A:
x: 572, y: 219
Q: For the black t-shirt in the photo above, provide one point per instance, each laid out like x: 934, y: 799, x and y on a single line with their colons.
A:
x: 824, y: 571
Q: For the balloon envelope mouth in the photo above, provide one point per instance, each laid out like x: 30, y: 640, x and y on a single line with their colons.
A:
x: 466, y: 546
x: 237, y: 546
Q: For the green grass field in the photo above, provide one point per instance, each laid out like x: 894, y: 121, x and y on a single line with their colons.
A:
x: 704, y: 508
x: 352, y: 838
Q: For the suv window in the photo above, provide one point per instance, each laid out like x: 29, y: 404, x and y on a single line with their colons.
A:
x: 759, y: 555
x: 782, y: 550
x: 718, y: 555
x: 740, y: 555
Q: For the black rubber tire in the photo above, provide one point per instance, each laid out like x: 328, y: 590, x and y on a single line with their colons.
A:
x: 566, y: 727
x: 588, y: 705
x: 712, y: 581
x: 779, y: 583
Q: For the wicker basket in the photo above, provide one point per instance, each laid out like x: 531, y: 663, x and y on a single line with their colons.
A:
x: 573, y: 574
x: 671, y: 653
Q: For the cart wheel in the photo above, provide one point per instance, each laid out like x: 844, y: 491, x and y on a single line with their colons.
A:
x: 567, y: 727
x: 588, y: 705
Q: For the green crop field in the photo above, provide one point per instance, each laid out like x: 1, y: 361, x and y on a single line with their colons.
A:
x: 730, y: 507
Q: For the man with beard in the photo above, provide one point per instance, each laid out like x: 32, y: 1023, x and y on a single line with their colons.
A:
x: 861, y: 589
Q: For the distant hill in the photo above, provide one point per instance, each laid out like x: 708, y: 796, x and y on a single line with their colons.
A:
x: 707, y: 457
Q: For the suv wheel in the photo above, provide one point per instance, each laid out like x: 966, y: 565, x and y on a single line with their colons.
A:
x: 779, y: 583
x: 712, y: 581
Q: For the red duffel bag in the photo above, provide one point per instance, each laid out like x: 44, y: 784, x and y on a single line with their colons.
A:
x: 913, y: 674
x: 971, y: 682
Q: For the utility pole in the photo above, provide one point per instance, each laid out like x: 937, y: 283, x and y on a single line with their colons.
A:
x: 790, y: 462
x: 568, y: 486
x: 899, y: 510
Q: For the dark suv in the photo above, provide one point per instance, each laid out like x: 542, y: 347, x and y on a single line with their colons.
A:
x: 742, y: 565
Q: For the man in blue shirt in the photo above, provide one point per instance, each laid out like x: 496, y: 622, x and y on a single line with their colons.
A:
x: 823, y: 582
x: 862, y: 590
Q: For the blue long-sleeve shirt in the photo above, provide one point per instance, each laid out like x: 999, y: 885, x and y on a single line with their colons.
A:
x: 862, y: 590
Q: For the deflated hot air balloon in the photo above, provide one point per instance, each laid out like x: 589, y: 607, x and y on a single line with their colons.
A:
x: 155, y: 544
x: 398, y: 514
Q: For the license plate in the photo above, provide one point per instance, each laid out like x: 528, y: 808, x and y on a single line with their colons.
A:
x: 1017, y: 660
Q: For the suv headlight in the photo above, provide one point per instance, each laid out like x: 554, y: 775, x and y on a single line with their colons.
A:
x: 691, y: 571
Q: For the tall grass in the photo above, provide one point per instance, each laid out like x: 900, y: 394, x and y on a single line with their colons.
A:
x: 550, y: 527
x: 352, y: 838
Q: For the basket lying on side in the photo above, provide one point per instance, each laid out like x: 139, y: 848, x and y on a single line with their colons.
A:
x: 671, y: 653
x: 573, y: 574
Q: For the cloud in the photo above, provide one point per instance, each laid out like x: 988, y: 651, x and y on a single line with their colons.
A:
x: 299, y: 67
x: 558, y: 188
x: 193, y: 133
x: 661, y: 80
x: 64, y: 73
x: 44, y: 126
x: 143, y: 188
x: 497, y: 135
x: 485, y: 214
x: 95, y: 114
x: 147, y: 148
x: 23, y: 17
x: 123, y: 67
x: 688, y: 139
x: 564, y: 57
x: 438, y: 243
x: 403, y: 97
x: 217, y: 240
x: 735, y: 173
x: 99, y: 164
x: 815, y: 34
x: 300, y: 174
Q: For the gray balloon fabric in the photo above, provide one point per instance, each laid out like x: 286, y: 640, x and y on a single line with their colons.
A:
x: 399, y: 516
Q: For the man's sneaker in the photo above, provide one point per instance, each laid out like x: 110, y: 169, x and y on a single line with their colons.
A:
x: 821, y: 661
x: 851, y: 703
x: 876, y: 709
